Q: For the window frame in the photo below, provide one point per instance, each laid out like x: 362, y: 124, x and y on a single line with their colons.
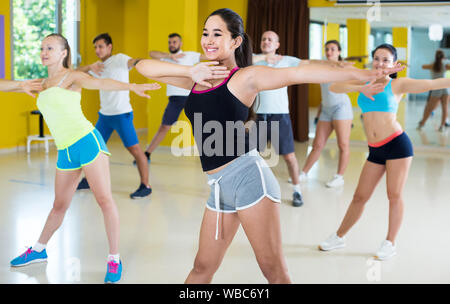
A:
x: 58, y: 29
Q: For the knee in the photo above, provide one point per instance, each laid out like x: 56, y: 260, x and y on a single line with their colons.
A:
x: 165, y: 128
x: 394, y: 197
x: 274, y: 269
x: 104, y: 201
x: 205, y: 266
x: 343, y: 147
x: 318, y: 145
x: 360, y: 199
x: 60, y: 206
x: 290, y: 158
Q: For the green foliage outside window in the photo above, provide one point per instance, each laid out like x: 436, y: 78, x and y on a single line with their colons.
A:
x: 32, y: 21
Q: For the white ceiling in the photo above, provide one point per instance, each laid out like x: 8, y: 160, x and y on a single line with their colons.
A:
x: 389, y: 16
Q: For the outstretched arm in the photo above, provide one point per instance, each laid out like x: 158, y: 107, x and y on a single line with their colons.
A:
x: 254, y: 79
x: 27, y: 86
x: 369, y: 90
x: 266, y: 78
x: 182, y: 76
x: 96, y: 67
x: 415, y: 86
x: 86, y: 81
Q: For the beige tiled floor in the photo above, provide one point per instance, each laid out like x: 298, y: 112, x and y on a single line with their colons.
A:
x: 159, y: 235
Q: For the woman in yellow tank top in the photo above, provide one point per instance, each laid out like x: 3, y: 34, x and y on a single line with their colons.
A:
x: 80, y: 148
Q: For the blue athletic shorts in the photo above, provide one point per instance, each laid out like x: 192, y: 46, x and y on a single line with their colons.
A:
x: 82, y: 153
x: 173, y: 109
x: 122, y: 123
x: 284, y: 144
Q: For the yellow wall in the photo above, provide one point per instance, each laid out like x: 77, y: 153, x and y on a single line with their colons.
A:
x: 16, y: 123
x: 321, y: 3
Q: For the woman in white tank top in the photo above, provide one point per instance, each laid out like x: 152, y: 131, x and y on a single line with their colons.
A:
x: 335, y: 114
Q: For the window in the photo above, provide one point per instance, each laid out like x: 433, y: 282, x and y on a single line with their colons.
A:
x: 343, y: 40
x: 32, y: 21
x: 388, y: 38
x: 315, y: 41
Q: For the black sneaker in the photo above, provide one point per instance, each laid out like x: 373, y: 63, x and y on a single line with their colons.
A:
x: 297, y: 200
x: 83, y: 184
x: 146, y: 154
x: 141, y: 192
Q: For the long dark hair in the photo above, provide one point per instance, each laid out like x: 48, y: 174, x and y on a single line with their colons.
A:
x: 67, y: 62
x: 391, y: 49
x: 243, y: 54
x: 338, y: 46
x: 437, y: 65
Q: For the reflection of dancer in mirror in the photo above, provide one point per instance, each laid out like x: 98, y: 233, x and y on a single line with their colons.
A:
x: 336, y: 113
x: 390, y: 150
x: 438, y: 69
x: 244, y: 191
x: 80, y: 148
x: 116, y: 112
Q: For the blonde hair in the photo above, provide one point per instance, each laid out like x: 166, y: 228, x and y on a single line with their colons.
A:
x: 67, y: 62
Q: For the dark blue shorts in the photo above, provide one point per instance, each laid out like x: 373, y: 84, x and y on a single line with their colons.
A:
x: 284, y: 144
x: 122, y: 123
x: 399, y: 147
x: 173, y: 109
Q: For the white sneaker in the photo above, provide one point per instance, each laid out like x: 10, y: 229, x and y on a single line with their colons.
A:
x: 333, y: 242
x: 336, y: 181
x: 386, y: 251
x: 302, y: 177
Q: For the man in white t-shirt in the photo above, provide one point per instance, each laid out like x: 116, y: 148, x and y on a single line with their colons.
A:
x: 273, y: 106
x: 116, y: 112
x: 177, y: 96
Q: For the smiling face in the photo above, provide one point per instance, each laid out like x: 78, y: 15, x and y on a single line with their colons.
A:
x: 52, y: 51
x: 269, y: 42
x: 332, y: 51
x: 217, y: 42
x: 383, y: 58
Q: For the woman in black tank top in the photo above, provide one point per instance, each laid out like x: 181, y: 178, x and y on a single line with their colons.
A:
x: 220, y: 98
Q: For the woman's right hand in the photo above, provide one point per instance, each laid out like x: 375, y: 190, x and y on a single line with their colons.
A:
x: 208, y: 71
x: 31, y: 86
x: 371, y: 89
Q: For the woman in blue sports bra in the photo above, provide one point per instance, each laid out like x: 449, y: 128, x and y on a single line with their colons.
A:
x: 390, y: 150
x: 244, y: 190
